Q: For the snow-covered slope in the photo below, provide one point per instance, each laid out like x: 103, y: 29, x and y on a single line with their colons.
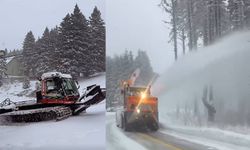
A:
x: 15, y: 91
x: 83, y: 132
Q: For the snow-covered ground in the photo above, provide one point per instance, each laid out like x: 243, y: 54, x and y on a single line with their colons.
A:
x: 15, y: 92
x: 209, y: 136
x: 86, y: 131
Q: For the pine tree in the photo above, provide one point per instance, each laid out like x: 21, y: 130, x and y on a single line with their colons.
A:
x: 171, y: 8
x: 67, y: 54
x: 236, y: 10
x: 247, y: 13
x: 28, y: 49
x: 143, y: 63
x: 44, y: 53
x: 74, y: 44
x: 81, y: 35
x: 65, y: 44
x: 54, y: 48
x: 98, y: 40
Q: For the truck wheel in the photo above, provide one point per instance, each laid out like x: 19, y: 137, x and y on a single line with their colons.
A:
x: 125, y: 125
x: 154, y: 127
x: 122, y: 123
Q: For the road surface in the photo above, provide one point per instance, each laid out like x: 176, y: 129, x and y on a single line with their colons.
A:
x: 118, y: 139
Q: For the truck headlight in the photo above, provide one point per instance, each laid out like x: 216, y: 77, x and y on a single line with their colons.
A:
x: 143, y: 95
x: 138, y: 110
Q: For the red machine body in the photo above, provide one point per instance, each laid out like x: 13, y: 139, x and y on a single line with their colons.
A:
x: 57, y: 88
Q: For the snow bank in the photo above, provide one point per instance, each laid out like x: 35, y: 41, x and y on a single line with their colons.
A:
x: 116, y: 139
x: 222, y: 144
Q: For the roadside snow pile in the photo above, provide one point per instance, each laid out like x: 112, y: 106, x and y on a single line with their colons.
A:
x: 221, y: 142
x: 115, y: 138
x: 211, y: 136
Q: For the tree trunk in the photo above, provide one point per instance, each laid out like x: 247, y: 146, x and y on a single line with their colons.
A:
x: 174, y: 5
x: 190, y: 33
x: 183, y: 38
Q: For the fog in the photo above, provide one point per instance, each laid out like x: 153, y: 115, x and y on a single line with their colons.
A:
x: 225, y: 66
x: 20, y: 16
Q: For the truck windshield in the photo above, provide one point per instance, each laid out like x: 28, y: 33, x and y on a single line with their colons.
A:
x: 69, y: 86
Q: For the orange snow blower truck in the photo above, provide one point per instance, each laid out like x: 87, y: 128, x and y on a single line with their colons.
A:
x: 140, y: 108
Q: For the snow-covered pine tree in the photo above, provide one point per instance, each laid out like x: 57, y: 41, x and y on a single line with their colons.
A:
x: 28, y: 50
x: 197, y: 19
x: 81, y: 42
x: 64, y: 43
x: 74, y: 44
x: 170, y: 7
x: 97, y: 27
x: 143, y: 63
x: 54, y: 48
x: 237, y: 16
x: 44, y: 53
x: 67, y: 54
x: 247, y: 13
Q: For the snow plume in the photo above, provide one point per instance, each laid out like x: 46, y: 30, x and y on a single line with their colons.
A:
x: 224, y: 66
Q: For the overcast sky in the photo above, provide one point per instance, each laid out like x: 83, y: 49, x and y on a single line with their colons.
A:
x: 138, y: 24
x: 19, y: 16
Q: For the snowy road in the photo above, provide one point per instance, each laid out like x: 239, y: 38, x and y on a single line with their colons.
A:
x: 117, y: 138
x: 163, y: 141
x: 172, y: 139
